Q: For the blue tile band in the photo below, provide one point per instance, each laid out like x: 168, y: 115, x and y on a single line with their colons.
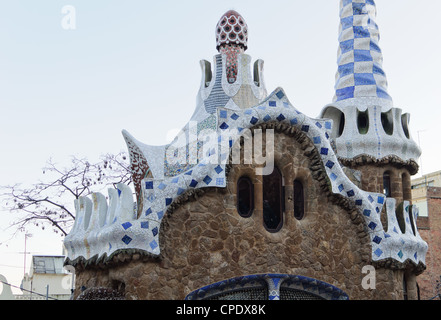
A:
x: 360, y: 72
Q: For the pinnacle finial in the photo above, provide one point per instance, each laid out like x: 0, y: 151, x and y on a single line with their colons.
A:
x: 231, y: 30
x: 360, y: 71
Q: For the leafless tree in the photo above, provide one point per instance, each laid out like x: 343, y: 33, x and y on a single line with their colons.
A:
x: 49, y: 202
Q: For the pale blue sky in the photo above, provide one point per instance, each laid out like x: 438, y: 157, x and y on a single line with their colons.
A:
x: 134, y: 65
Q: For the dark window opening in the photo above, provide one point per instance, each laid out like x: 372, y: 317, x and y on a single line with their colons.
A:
x: 273, y: 201
x: 338, y: 118
x: 119, y: 286
x: 297, y: 294
x: 386, y: 185
x: 258, y: 293
x: 299, y: 200
x: 387, y: 122
x: 363, y: 122
x: 399, y: 214
x: 418, y: 292
x: 412, y: 223
x: 405, y: 124
x: 245, y: 197
x: 256, y: 74
x: 341, y: 125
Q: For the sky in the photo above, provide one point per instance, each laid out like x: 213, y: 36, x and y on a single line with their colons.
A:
x: 134, y: 65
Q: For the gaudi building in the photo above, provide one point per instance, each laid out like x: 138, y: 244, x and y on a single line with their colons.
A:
x: 256, y: 200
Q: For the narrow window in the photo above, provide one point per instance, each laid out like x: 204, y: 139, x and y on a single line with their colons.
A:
x: 363, y: 122
x: 386, y: 184
x: 405, y: 124
x: 341, y: 126
x: 405, y: 297
x: 399, y: 215
x: 245, y: 197
x: 418, y: 292
x: 299, y: 200
x: 338, y: 118
x: 412, y: 223
x: 387, y: 122
x: 272, y: 201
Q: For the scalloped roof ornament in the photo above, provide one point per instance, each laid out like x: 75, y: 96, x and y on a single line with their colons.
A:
x: 231, y: 29
x: 117, y: 227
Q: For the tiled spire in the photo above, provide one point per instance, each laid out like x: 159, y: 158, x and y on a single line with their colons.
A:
x: 360, y: 72
x: 231, y: 40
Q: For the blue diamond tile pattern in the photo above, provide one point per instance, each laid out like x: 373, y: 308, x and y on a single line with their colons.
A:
x: 377, y: 239
x: 126, y: 239
x: 153, y: 244
x: 207, y: 180
x: 378, y: 252
x: 144, y: 225
x: 218, y: 169
x: 159, y: 194
x: 234, y: 116
x: 126, y: 225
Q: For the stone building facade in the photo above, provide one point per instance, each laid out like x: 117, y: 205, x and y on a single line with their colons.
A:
x: 268, y: 202
x: 430, y: 229
x: 205, y: 240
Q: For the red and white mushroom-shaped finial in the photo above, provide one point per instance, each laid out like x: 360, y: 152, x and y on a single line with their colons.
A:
x: 231, y: 30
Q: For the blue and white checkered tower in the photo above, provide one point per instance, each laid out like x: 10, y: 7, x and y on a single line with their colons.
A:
x: 368, y: 131
x: 365, y: 122
x: 360, y: 61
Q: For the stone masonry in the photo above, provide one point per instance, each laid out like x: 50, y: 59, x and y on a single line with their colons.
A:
x: 204, y: 240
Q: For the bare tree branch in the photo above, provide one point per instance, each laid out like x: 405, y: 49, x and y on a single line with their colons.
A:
x: 49, y: 202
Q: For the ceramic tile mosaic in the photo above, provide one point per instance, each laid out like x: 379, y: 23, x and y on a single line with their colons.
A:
x: 102, y: 228
x: 360, y: 72
x: 159, y: 194
x: 231, y: 30
x: 361, y: 86
x: 231, y: 53
x: 217, y: 97
x: 272, y: 283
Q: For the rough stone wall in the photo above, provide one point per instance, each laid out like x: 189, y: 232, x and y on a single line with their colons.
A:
x: 430, y: 231
x: 372, y: 178
x: 204, y: 240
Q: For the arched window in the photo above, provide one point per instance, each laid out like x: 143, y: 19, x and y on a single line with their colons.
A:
x: 387, y: 122
x: 341, y: 125
x: 338, y: 118
x: 386, y: 184
x: 245, y: 197
x: 363, y: 122
x: 273, y: 201
x: 405, y: 124
x: 299, y: 200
